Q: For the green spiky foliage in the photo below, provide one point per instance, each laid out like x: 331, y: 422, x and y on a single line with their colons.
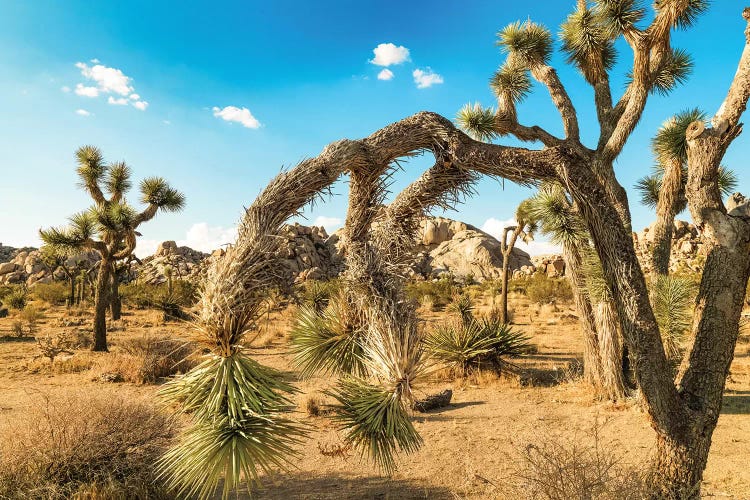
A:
x: 376, y: 420
x: 557, y: 219
x: 465, y: 348
x: 675, y: 71
x: 239, y: 429
x: 684, y: 13
x: 672, y: 299
x: 669, y: 146
x: 512, y: 82
x: 528, y: 43
x: 318, y: 294
x: 326, y: 342
x: 588, y: 43
x: 477, y: 121
x: 618, y: 16
x: 464, y: 307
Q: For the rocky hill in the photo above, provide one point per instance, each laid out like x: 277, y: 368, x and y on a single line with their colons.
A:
x: 687, y: 248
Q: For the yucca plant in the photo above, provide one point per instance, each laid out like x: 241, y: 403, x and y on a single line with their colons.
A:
x: 18, y: 297
x: 239, y: 428
x: 376, y: 420
x: 327, y: 342
x: 464, y: 307
x: 672, y: 299
x: 465, y: 348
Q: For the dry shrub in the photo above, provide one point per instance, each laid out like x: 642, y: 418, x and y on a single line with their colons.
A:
x: 543, y: 290
x: 571, y: 467
x: 145, y: 360
x: 54, y: 293
x: 74, y: 364
x: 83, y: 446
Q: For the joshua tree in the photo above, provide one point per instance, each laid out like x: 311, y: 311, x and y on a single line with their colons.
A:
x: 525, y: 227
x: 57, y: 258
x: 664, y: 189
x: 683, y: 411
x: 111, y: 220
x: 602, y: 358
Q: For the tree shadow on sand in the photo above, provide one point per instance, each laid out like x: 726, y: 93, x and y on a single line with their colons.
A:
x: 306, y: 486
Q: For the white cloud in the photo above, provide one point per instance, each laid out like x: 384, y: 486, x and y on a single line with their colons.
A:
x: 235, y: 114
x: 108, y: 80
x: 65, y: 89
x: 82, y: 112
x: 426, y: 78
x: 385, y: 74
x: 120, y: 101
x: 82, y: 90
x: 494, y: 227
x: 199, y: 236
x: 330, y: 224
x: 387, y: 54
x: 167, y: 122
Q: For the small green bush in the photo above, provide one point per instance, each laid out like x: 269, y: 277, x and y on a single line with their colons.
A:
x: 441, y: 291
x: 53, y: 293
x: 144, y: 296
x: 543, y: 290
x: 31, y: 316
x: 17, y: 298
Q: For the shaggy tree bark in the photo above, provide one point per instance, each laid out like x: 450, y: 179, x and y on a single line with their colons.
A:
x: 101, y: 300
x: 666, y: 211
x: 592, y: 361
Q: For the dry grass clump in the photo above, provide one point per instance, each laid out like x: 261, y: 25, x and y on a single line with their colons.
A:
x: 561, y: 469
x: 146, y: 360
x: 83, y: 446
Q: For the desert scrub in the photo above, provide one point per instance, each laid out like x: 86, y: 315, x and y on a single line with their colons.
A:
x: 440, y: 291
x: 79, y: 443
x: 146, y: 360
x: 31, y: 317
x: 54, y: 293
x: 145, y: 296
x: 543, y: 290
x: 17, y: 297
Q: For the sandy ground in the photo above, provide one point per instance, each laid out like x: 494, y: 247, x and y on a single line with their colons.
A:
x: 471, y: 448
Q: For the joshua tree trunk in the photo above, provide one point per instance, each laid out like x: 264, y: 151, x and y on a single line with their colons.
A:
x: 72, y: 295
x: 592, y: 361
x: 612, y: 381
x: 101, y: 301
x: 115, y: 302
x: 666, y: 211
x: 506, y: 249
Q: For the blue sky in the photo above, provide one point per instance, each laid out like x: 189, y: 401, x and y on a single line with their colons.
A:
x: 300, y: 75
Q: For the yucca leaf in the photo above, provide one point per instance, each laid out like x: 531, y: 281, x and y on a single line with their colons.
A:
x: 527, y: 43
x: 477, y: 121
x: 376, y: 421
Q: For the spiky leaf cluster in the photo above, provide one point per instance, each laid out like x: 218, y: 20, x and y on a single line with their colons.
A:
x: 556, y: 216
x: 511, y: 82
x: 684, y: 12
x: 477, y: 121
x: 589, y: 44
x: 468, y: 346
x: 156, y: 191
x: 376, y: 421
x: 618, y: 16
x: 237, y: 406
x: 674, y: 71
x: 326, y: 342
x: 82, y: 227
x: 672, y: 298
x: 527, y: 43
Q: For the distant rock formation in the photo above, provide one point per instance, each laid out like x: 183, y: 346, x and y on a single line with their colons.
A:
x: 687, y: 252
x: 27, y: 267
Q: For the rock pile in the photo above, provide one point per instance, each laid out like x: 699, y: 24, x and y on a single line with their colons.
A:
x: 687, y: 248
x: 309, y: 253
x: 449, y: 246
x: 551, y: 265
x: 27, y: 267
x: 185, y: 263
